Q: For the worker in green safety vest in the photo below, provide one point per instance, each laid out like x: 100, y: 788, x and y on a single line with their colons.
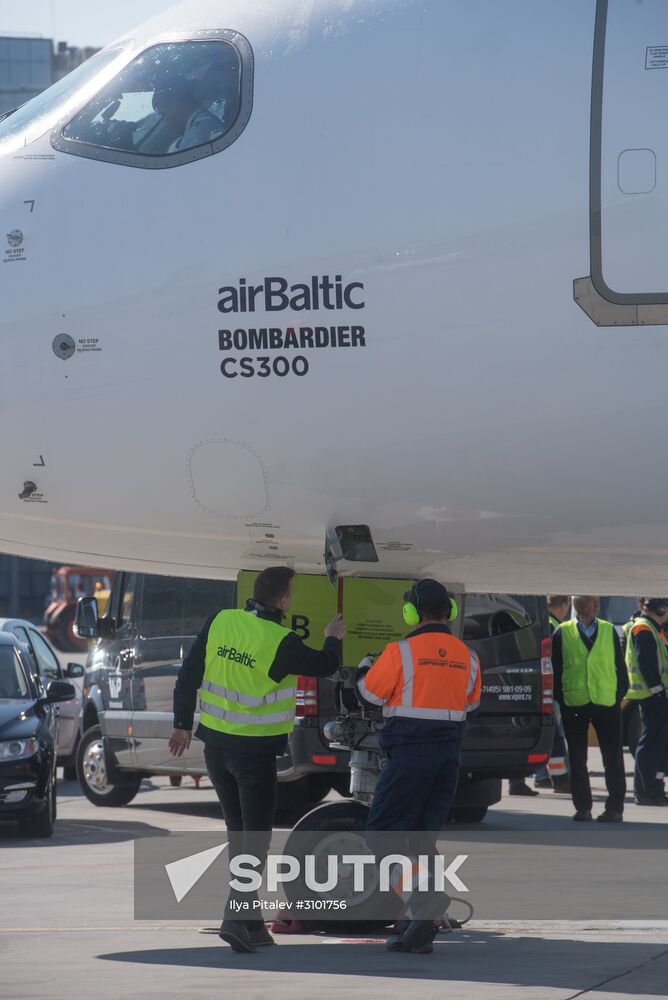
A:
x: 589, y: 683
x: 244, y: 663
x: 647, y: 665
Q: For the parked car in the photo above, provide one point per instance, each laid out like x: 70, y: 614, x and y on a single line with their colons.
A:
x: 68, y: 584
x: 148, y: 627
x: 44, y: 662
x: 28, y: 734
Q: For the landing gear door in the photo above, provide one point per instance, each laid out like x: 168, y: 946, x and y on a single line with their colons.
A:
x: 629, y: 166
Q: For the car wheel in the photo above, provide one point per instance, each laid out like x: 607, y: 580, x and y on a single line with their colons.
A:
x: 92, y: 773
x: 43, y: 823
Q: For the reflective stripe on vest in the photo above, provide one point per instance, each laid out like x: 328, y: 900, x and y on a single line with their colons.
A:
x: 638, y: 689
x: 406, y: 709
x: 588, y: 675
x: 237, y: 694
x: 244, y: 718
x: 282, y: 694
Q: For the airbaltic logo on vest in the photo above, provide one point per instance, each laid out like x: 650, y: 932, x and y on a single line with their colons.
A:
x: 230, y: 653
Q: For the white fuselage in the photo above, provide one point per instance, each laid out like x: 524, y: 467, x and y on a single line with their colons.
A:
x: 421, y: 168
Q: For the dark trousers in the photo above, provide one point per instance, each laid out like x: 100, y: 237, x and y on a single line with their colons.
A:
x: 608, y: 725
x: 246, y: 790
x: 416, y: 787
x: 415, y: 791
x: 652, y: 750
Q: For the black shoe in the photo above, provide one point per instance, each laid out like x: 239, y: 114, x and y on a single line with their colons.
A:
x: 521, y: 788
x: 237, y: 935
x: 395, y: 943
x: 542, y: 783
x: 418, y: 938
x: 260, y: 936
x: 563, y: 785
x: 642, y: 800
x: 610, y: 817
x: 582, y: 816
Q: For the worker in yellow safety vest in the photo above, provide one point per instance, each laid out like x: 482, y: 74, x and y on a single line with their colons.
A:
x: 244, y: 664
x: 589, y: 683
x: 647, y: 665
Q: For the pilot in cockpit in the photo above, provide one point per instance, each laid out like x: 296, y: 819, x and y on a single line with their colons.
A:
x: 217, y: 86
x: 182, y: 112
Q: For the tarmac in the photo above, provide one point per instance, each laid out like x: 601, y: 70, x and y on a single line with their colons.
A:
x: 67, y: 928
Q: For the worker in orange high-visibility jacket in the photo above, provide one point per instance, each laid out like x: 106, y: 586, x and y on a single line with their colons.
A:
x: 427, y: 684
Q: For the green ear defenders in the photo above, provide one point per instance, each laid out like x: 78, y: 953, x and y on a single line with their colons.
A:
x: 411, y: 609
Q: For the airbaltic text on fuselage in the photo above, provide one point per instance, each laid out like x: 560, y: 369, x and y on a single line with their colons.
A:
x: 276, y: 294
x: 273, y: 295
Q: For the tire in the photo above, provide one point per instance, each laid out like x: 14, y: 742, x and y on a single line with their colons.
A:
x: 43, y: 823
x: 175, y: 780
x: 350, y: 815
x: 294, y: 798
x: 338, y: 817
x: 467, y: 814
x: 92, y: 773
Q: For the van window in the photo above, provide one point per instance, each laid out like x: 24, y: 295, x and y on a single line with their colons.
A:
x: 204, y: 598
x: 489, y: 615
x: 120, y: 605
x: 162, y: 606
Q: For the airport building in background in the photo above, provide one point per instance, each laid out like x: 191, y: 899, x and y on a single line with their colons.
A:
x: 29, y: 65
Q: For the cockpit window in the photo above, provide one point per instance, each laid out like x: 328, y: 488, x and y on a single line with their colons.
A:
x: 175, y: 102
x: 39, y: 115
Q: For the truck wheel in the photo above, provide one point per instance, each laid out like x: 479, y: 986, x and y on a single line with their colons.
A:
x: 175, y: 780
x: 467, y: 814
x: 92, y: 773
x: 43, y: 823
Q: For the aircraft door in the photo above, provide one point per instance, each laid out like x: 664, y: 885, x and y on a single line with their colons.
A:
x: 629, y: 166
x: 634, y: 149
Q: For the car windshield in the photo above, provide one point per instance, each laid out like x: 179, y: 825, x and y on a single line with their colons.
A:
x: 13, y: 681
x: 39, y: 115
